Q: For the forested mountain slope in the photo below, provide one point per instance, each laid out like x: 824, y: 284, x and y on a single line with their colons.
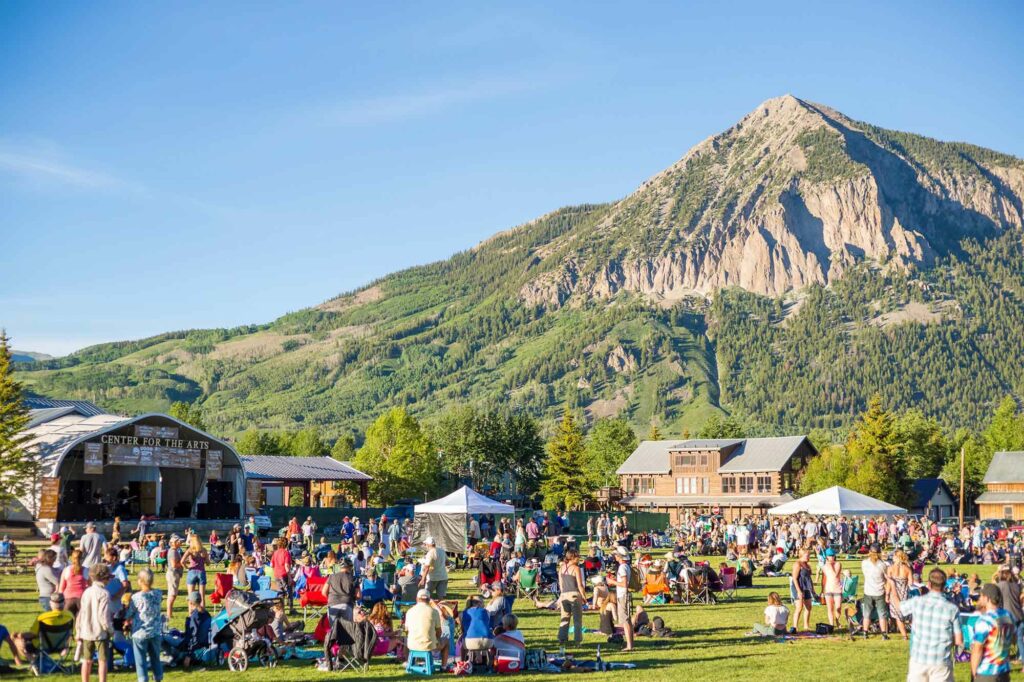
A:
x: 783, y: 270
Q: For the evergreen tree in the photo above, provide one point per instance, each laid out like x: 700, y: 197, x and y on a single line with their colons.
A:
x: 190, y: 413
x: 609, y: 443
x: 923, y: 444
x: 654, y: 433
x: 565, y: 484
x: 400, y: 458
x: 19, y: 470
x: 876, y: 457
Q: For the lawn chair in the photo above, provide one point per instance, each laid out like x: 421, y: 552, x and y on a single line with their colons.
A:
x: 263, y: 588
x: 374, y: 590
x: 53, y: 648
x: 850, y: 589
x: 312, y: 599
x: 729, y: 576
x: 349, y: 645
x: 8, y: 553
x: 527, y: 584
x: 222, y: 584
x: 139, y: 557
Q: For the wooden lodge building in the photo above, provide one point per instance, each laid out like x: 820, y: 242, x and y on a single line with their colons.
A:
x: 1004, y: 488
x: 733, y: 477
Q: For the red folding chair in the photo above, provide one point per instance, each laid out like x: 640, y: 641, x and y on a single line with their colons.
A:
x: 312, y: 598
x: 222, y: 584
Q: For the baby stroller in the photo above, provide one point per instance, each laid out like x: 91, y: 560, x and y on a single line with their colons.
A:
x: 244, y: 626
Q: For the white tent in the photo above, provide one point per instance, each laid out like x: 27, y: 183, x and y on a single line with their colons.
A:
x: 837, y: 501
x: 447, y: 519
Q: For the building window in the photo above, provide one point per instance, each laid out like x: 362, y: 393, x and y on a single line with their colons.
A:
x: 746, y: 484
x: 648, y: 486
x: 704, y: 460
x: 679, y: 486
x: 1007, y: 512
x: 764, y: 484
x: 686, y: 460
x: 728, y: 484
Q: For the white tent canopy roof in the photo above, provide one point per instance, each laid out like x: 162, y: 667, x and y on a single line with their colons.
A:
x: 837, y: 501
x: 465, y: 500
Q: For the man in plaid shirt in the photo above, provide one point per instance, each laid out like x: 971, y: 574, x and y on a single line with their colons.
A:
x: 936, y: 629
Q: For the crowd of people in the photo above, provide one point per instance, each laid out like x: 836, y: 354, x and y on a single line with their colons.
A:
x: 372, y: 574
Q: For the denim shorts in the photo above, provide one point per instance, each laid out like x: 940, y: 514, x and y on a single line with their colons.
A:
x: 195, y: 577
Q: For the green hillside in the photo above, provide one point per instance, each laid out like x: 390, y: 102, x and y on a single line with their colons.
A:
x: 782, y: 271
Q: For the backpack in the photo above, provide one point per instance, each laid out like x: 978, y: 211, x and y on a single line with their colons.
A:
x: 635, y: 582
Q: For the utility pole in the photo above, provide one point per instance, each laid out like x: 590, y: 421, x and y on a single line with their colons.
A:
x: 962, y: 491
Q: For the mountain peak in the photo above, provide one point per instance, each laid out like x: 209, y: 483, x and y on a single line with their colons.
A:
x: 793, y: 194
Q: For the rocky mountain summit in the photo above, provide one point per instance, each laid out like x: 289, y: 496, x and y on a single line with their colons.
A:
x: 793, y: 194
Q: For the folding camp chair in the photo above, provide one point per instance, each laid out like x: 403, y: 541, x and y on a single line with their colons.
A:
x: 8, y: 553
x: 698, y: 591
x: 222, y: 584
x: 140, y: 557
x: 527, y: 584
x: 349, y: 645
x: 263, y: 588
x: 53, y: 648
x: 312, y: 599
x: 850, y: 589
x: 728, y: 576
x: 374, y: 590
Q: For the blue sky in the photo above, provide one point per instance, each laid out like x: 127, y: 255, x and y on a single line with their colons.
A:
x: 180, y: 165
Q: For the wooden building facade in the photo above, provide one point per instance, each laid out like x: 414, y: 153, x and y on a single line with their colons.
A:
x: 733, y: 477
x: 1004, y: 488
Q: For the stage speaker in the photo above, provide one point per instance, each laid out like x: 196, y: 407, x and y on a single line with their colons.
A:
x: 219, y: 492
x: 183, y: 510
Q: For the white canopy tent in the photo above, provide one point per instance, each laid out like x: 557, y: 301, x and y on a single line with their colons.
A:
x: 837, y: 501
x: 447, y: 519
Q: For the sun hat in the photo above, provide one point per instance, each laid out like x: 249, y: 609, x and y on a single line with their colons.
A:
x: 429, y: 540
x: 621, y: 551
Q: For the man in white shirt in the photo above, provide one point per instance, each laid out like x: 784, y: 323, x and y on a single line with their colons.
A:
x: 435, y: 570
x: 624, y: 600
x: 873, y: 569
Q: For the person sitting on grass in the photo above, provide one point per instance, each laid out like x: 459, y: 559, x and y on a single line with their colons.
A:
x: 280, y: 625
x: 195, y: 646
x: 423, y: 625
x: 388, y: 640
x: 655, y: 583
x: 776, y: 615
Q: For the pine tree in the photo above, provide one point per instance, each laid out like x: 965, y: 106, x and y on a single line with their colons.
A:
x: 876, y: 458
x: 19, y: 470
x: 654, y: 433
x: 565, y: 484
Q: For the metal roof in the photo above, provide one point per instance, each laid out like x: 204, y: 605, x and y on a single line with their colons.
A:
x: 286, y: 468
x: 650, y: 457
x: 83, y: 407
x: 997, y: 498
x: 705, y: 501
x: 925, y: 489
x: 750, y: 454
x: 762, y: 454
x: 1006, y: 467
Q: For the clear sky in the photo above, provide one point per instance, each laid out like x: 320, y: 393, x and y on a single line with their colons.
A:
x: 179, y: 165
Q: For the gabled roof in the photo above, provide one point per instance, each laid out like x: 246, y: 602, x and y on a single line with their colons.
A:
x: 82, y: 407
x: 925, y: 489
x: 1006, y: 467
x: 763, y: 454
x: 750, y: 454
x: 286, y: 468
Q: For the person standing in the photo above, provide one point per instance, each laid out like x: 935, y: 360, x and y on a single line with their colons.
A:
x: 174, y: 572
x: 623, y: 598
x: 47, y: 578
x: 147, y: 629
x: 91, y: 545
x: 281, y: 563
x: 194, y: 560
x: 572, y: 594
x: 899, y: 576
x: 873, y: 569
x: 803, y: 587
x: 1009, y: 585
x: 94, y: 625
x: 341, y: 592
x: 832, y: 587
x: 991, y: 637
x: 936, y: 629
x: 435, y: 570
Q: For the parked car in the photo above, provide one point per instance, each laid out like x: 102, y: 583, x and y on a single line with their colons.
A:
x: 400, y: 512
x: 263, y: 525
x: 948, y: 524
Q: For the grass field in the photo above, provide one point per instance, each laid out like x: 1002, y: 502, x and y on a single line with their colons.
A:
x: 710, y: 643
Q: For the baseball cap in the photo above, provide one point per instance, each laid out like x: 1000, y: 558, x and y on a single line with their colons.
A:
x: 57, y: 598
x: 55, y: 537
x: 195, y: 597
x: 423, y: 594
x: 875, y: 547
x: 622, y: 551
x: 830, y: 552
x: 90, y: 525
x: 429, y: 540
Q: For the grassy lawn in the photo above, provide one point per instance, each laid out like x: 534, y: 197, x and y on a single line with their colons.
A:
x: 710, y: 644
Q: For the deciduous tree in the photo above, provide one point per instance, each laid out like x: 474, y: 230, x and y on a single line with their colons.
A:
x: 609, y: 443
x: 400, y: 457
